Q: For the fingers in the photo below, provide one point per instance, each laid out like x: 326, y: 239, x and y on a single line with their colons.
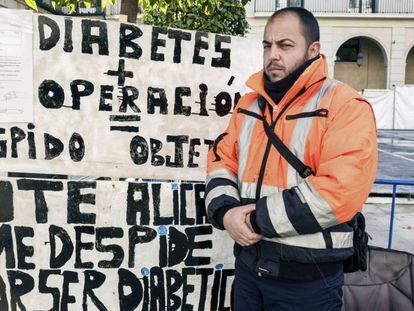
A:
x: 244, y: 242
x: 236, y: 225
x: 245, y: 236
x: 250, y: 235
x: 241, y: 240
x: 248, y: 208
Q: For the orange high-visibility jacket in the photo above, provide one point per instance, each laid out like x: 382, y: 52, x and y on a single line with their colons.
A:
x: 328, y: 126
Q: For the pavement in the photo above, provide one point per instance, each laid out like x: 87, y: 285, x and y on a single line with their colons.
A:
x: 377, y: 218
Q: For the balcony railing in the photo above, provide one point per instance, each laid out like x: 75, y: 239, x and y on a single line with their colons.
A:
x: 339, y: 6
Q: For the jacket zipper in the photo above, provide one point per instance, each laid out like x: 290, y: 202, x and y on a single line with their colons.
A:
x: 269, y: 144
x: 263, y: 166
x: 266, y: 156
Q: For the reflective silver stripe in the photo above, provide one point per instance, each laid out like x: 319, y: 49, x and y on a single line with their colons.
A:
x: 342, y: 239
x: 278, y: 215
x: 301, y: 132
x: 221, y: 173
x: 248, y: 190
x: 244, y: 139
x: 319, y: 207
x: 220, y: 190
x: 316, y: 240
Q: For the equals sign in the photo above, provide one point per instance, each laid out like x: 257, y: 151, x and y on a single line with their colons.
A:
x: 123, y: 118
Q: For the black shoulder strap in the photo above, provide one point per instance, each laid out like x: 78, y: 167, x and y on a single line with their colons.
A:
x: 303, y: 170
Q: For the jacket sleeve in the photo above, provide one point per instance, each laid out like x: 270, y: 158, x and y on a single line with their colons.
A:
x: 343, y: 180
x: 222, y: 191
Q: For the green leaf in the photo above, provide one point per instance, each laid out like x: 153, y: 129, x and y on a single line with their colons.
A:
x: 87, y: 4
x: 32, y: 4
x: 72, y: 8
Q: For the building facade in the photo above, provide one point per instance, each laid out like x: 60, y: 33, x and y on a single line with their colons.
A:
x: 368, y: 43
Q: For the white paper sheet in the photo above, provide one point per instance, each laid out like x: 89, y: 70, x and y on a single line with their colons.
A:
x: 16, y: 66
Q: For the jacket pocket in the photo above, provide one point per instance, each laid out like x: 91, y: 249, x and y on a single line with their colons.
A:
x: 317, y: 113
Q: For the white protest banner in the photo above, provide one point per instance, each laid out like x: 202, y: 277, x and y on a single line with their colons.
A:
x: 104, y: 245
x: 121, y: 100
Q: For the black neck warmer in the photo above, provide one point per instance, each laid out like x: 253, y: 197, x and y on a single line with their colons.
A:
x: 276, y: 90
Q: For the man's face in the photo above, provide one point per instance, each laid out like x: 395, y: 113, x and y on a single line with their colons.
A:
x: 284, y: 47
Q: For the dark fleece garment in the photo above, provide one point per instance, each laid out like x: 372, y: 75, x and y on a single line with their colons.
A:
x: 276, y: 90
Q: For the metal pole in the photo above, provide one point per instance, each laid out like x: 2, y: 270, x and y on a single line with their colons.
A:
x: 393, y: 107
x: 394, y: 194
x: 360, y: 6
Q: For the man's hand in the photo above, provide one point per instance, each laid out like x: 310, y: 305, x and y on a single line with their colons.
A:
x: 234, y: 222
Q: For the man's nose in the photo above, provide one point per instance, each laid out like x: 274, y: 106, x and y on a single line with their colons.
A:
x: 274, y: 52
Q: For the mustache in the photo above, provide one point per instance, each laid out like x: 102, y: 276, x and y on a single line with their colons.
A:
x: 273, y: 64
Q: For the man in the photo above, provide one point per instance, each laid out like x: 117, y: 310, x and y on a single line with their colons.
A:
x: 290, y: 231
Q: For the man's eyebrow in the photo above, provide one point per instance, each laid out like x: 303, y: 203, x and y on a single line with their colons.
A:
x: 279, y: 41
x: 284, y: 41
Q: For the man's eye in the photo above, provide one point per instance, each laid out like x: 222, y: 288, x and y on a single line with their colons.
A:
x: 266, y: 46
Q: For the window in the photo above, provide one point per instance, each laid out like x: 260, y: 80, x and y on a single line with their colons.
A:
x: 361, y: 6
x: 280, y: 4
x: 295, y: 3
x: 348, y: 52
x: 353, y: 4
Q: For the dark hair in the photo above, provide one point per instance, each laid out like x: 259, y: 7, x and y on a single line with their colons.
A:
x: 310, y: 26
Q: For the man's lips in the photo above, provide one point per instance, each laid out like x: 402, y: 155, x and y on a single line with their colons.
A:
x: 275, y: 68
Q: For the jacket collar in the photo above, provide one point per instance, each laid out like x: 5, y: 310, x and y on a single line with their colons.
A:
x: 315, y: 72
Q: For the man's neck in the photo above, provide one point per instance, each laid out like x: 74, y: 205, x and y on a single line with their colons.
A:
x: 276, y: 90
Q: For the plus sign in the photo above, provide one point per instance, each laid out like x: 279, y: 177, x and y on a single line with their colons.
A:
x: 121, y: 73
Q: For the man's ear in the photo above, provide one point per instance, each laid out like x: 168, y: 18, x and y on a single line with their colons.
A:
x: 314, y: 49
